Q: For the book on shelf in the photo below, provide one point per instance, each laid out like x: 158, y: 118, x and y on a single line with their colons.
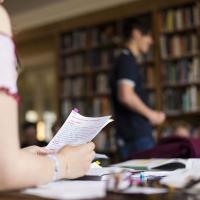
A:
x: 180, y: 18
x: 66, y: 88
x: 79, y: 63
x: 74, y: 87
x: 178, y: 45
x: 66, y: 42
x: 79, y: 87
x: 181, y: 101
x: 183, y: 71
x: 101, y: 106
x: 68, y: 104
x: 66, y: 107
x: 74, y: 64
x: 101, y: 84
x: 151, y: 97
x: 93, y: 58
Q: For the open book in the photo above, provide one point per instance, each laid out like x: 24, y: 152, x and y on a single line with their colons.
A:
x: 77, y: 130
x: 161, y: 164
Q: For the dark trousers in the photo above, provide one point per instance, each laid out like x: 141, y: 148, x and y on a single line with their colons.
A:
x: 127, y: 149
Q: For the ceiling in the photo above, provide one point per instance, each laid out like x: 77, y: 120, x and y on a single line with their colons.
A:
x: 29, y: 14
x: 16, y: 7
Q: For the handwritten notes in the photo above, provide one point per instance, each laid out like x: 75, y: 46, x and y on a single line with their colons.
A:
x: 78, y: 129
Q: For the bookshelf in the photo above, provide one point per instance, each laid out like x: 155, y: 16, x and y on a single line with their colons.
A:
x: 179, y: 31
x: 171, y: 70
x: 179, y: 46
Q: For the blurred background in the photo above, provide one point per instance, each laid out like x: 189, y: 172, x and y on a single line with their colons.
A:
x: 66, y: 49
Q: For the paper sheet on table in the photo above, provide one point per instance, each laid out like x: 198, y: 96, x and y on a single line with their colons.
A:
x: 102, y: 171
x: 181, y: 177
x: 78, y: 129
x: 69, y: 190
x: 144, y: 190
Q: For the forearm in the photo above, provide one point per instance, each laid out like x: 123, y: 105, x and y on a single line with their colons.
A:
x: 26, y: 170
x: 133, y: 102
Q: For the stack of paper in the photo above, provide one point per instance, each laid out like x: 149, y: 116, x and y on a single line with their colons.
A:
x: 77, y: 130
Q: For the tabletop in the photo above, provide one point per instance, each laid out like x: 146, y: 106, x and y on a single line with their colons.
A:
x: 109, y: 196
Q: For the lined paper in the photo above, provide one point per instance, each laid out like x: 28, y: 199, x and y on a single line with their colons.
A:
x: 77, y: 130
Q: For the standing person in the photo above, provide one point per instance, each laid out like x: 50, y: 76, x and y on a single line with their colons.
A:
x: 134, y: 118
x: 21, y: 168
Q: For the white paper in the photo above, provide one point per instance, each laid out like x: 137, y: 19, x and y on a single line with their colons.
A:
x: 78, y: 129
x: 144, y: 190
x: 101, y: 156
x: 181, y: 177
x: 69, y: 190
x: 102, y: 171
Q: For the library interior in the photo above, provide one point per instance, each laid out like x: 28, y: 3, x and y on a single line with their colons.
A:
x: 100, y: 97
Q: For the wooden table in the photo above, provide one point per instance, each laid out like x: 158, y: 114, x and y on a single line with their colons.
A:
x: 110, y: 196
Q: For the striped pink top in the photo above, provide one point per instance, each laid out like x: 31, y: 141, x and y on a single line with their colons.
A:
x: 8, y: 73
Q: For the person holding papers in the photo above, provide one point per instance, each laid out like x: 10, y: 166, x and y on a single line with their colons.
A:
x: 32, y: 166
x: 133, y: 117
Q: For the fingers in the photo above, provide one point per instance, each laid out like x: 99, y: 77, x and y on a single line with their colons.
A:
x: 92, y: 156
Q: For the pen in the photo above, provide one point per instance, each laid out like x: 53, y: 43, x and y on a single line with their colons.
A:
x: 97, y: 162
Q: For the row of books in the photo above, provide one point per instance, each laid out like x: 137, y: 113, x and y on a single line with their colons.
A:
x: 67, y: 105
x: 180, y: 18
x: 182, y: 72
x: 185, y: 100
x: 93, y: 59
x: 151, y: 97
x: 84, y: 38
x: 101, y: 106
x: 79, y: 86
x: 76, y: 87
x: 95, y: 107
x: 100, y: 84
x: 178, y: 45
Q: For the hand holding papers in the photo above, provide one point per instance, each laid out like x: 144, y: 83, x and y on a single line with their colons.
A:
x: 77, y: 130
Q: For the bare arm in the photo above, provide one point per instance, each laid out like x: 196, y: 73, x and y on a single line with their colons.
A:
x: 19, y: 169
x: 16, y: 165
x: 129, y: 98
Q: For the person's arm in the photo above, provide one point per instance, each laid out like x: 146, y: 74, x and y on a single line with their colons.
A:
x: 19, y: 169
x: 129, y: 98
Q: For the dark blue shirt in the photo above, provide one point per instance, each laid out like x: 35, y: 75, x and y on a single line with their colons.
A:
x: 130, y: 124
